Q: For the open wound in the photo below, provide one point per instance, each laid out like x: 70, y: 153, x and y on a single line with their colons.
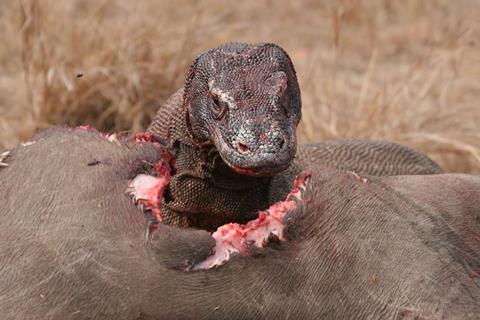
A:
x: 235, y: 238
x: 147, y: 190
x: 232, y: 238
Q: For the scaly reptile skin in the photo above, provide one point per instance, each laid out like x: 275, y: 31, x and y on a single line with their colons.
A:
x: 232, y: 128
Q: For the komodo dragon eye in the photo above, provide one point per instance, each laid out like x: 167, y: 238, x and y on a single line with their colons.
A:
x: 219, y: 108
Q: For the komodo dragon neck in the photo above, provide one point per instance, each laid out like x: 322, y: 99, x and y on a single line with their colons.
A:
x: 203, y: 191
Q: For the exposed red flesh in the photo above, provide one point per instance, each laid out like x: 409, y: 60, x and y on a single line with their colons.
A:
x: 234, y: 238
x: 146, y: 190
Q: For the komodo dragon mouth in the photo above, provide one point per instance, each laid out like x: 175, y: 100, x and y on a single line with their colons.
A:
x: 230, y: 239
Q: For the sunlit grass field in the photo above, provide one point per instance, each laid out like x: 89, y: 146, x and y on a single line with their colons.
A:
x: 405, y: 71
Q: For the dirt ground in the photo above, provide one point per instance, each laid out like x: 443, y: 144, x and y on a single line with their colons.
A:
x: 406, y: 71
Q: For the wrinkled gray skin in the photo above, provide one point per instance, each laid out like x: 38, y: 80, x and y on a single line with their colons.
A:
x: 72, y: 245
x: 232, y: 126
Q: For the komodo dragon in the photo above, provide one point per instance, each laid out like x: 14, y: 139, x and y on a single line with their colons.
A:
x: 232, y: 126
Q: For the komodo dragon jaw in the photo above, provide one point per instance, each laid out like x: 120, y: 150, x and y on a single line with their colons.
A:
x: 245, y: 100
x: 266, y: 162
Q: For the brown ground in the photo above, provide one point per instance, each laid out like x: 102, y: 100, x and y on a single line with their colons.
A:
x: 407, y: 71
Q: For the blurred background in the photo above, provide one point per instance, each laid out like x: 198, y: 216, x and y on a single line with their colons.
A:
x: 406, y: 71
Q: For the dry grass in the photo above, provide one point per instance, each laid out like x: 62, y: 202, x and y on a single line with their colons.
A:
x: 407, y: 71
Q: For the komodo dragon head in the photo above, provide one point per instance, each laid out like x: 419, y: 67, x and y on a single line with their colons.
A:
x: 245, y: 100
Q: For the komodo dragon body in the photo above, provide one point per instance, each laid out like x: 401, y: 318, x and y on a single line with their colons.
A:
x: 232, y: 128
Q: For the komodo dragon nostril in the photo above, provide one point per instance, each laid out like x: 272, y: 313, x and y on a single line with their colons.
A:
x: 281, y: 143
x: 242, y: 148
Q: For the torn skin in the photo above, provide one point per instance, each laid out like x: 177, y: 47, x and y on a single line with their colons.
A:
x: 146, y: 190
x: 234, y: 238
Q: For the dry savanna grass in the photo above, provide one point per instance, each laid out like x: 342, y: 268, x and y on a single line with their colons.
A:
x: 406, y: 71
